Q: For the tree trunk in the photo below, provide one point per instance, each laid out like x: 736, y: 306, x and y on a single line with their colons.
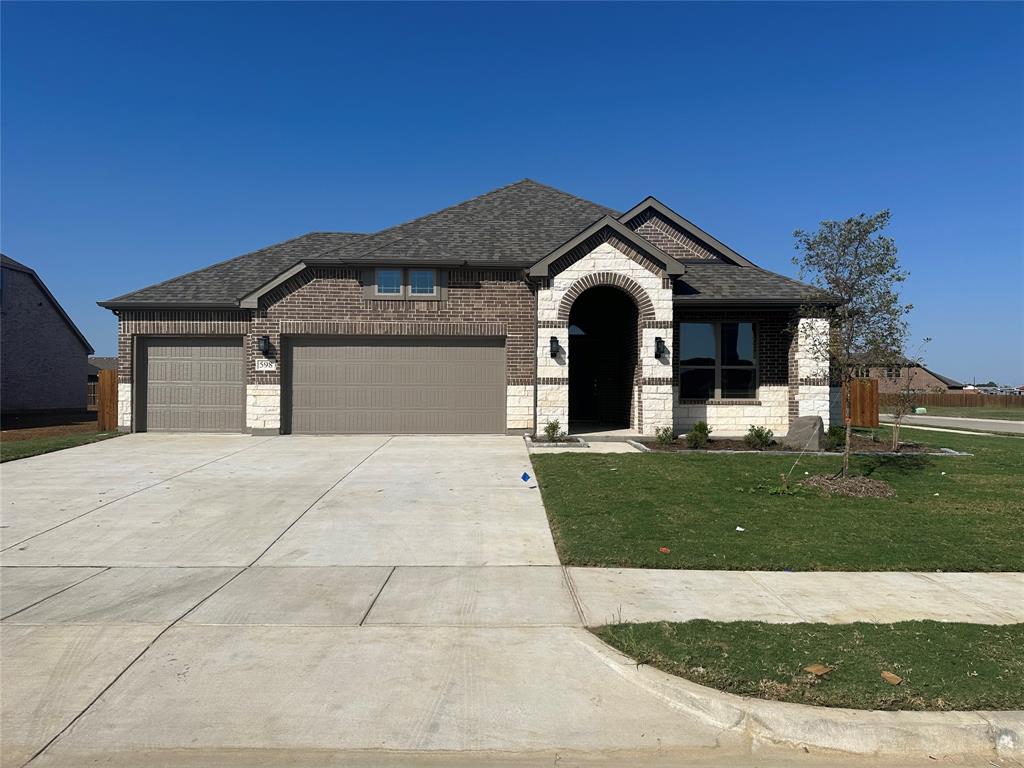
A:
x: 846, y: 452
x: 896, y: 433
x: 847, y: 393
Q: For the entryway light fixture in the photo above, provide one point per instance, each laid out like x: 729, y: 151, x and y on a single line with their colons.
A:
x: 264, y: 344
x: 554, y: 346
x: 659, y: 347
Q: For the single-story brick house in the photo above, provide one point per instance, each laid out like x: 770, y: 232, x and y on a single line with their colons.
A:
x: 912, y: 376
x: 496, y: 315
x: 43, y: 355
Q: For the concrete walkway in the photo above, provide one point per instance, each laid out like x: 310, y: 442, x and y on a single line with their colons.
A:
x: 956, y: 423
x: 227, y: 600
x: 609, y: 595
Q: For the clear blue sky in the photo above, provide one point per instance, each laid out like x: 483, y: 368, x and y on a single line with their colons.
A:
x: 144, y: 140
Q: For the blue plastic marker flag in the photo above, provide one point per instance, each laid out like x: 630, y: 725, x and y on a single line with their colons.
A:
x: 525, y: 478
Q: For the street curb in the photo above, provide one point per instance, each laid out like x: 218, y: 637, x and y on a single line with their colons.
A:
x: 858, y: 732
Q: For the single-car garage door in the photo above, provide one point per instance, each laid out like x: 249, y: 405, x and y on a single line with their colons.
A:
x: 395, y: 385
x: 191, y: 385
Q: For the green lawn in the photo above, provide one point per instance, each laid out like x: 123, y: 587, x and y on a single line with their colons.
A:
x: 943, y: 666
x: 20, y: 449
x: 617, y: 510
x: 980, y: 412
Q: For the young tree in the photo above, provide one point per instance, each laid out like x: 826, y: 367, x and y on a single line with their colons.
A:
x: 906, y: 397
x: 857, y: 264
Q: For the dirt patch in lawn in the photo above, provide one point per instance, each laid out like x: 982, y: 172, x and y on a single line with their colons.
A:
x: 32, y: 433
x: 858, y: 487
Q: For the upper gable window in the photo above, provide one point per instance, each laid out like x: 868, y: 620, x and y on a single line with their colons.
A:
x: 422, y: 282
x: 389, y: 282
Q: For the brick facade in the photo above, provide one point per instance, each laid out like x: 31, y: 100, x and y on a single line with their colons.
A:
x: 330, y: 300
x: 43, y: 362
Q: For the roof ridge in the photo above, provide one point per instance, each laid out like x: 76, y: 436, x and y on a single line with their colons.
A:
x: 464, y: 203
x: 229, y: 260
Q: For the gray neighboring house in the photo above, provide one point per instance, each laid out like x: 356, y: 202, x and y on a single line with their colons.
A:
x: 496, y: 315
x: 43, y: 355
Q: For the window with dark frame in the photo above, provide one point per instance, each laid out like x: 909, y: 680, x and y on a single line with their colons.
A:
x: 717, y: 361
x: 405, y: 283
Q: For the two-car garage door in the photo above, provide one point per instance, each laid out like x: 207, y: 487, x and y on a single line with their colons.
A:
x: 394, y: 385
x: 331, y: 385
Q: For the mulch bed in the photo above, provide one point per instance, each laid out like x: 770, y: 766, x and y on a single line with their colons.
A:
x: 857, y: 444
x: 858, y: 487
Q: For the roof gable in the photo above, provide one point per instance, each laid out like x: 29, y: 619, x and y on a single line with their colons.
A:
x: 8, y: 263
x: 604, y: 228
x: 688, y: 235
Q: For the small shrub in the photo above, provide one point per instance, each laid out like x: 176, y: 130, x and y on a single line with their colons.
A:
x: 835, y: 437
x: 698, y: 435
x: 758, y: 438
x: 665, y: 435
x: 553, y: 431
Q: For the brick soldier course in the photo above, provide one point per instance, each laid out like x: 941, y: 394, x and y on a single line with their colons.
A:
x: 508, y: 265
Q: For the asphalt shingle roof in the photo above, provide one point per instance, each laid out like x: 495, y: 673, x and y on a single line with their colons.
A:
x: 512, y: 227
x: 718, y: 281
x: 226, y: 282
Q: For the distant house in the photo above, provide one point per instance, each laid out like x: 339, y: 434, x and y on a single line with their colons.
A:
x: 894, y: 378
x: 43, y: 356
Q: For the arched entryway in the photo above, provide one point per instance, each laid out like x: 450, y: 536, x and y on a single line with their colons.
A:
x: 602, y: 359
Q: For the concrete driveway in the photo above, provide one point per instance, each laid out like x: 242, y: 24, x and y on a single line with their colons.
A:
x: 214, y: 600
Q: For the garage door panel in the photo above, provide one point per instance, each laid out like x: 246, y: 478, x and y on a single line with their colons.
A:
x: 193, y: 385
x: 397, y: 385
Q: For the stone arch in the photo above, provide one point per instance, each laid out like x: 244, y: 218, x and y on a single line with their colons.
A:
x: 644, y: 305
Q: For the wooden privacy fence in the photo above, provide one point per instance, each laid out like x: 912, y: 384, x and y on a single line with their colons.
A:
x: 863, y: 402
x: 966, y: 399
x: 106, y: 401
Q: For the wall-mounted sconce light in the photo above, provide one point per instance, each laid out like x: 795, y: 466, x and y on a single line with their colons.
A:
x: 659, y: 347
x: 554, y: 346
x: 264, y: 344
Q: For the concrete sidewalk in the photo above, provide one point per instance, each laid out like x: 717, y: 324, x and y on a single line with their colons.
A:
x: 611, y: 595
x: 960, y: 424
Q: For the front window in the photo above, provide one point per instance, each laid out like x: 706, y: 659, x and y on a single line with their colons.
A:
x: 422, y: 282
x: 717, y: 361
x: 389, y: 282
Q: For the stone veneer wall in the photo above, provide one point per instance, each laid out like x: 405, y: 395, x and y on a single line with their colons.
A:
x: 810, y: 386
x: 606, y: 263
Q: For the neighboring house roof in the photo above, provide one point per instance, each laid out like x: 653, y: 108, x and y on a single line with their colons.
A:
x: 951, y: 383
x: 97, y: 364
x: 520, y: 226
x: 720, y: 283
x: 8, y: 263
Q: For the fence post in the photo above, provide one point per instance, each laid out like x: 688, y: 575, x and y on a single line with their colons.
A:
x: 106, y: 409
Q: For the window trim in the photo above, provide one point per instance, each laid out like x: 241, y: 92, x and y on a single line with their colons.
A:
x: 718, y: 366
